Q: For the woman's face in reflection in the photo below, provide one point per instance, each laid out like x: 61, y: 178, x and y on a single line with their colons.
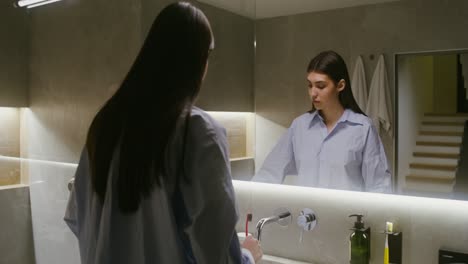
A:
x: 323, y: 91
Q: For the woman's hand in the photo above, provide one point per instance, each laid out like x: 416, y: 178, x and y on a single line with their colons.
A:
x: 253, y: 246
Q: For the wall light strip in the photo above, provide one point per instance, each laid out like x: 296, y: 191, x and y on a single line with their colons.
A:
x: 38, y: 161
x: 34, y: 3
x: 22, y: 3
x: 43, y: 3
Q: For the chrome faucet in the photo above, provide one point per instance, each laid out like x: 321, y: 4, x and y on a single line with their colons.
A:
x: 283, y: 218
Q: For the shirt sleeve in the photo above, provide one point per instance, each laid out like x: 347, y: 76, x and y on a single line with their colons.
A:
x: 247, y: 257
x: 209, y: 196
x: 280, y: 162
x: 74, y: 211
x: 375, y: 171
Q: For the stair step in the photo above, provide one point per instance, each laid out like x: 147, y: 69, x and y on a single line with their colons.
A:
x: 432, y: 179
x: 445, y: 118
x: 446, y: 114
x: 432, y: 172
x: 439, y: 139
x: 437, y: 149
x: 441, y: 133
x: 442, y: 128
x: 429, y: 194
x: 443, y: 123
x: 435, y: 161
x: 438, y: 144
x: 428, y: 188
x: 436, y: 155
x: 433, y: 167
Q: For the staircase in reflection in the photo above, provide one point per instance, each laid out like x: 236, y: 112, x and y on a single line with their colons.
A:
x: 435, y: 160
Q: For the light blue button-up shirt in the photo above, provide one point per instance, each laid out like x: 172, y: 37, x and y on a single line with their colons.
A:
x: 151, y: 234
x: 349, y: 157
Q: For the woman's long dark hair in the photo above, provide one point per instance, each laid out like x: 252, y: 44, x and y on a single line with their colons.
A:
x: 333, y: 65
x: 141, y: 116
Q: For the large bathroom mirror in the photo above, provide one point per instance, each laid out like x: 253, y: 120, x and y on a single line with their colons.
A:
x: 258, y: 67
x: 288, y: 36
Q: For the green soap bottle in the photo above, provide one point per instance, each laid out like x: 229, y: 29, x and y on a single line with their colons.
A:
x: 359, y: 242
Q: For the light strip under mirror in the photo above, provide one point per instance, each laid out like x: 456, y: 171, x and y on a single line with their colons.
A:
x: 296, y: 193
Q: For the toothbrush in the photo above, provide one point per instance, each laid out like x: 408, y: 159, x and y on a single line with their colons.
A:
x: 247, y: 220
x: 388, y: 230
x: 386, y: 253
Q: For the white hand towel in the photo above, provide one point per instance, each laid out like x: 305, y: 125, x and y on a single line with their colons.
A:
x: 379, y: 105
x: 359, y: 85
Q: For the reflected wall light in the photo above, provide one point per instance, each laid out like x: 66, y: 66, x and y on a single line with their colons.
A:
x: 33, y: 3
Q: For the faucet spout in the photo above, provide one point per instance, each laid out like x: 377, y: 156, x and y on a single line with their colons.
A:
x: 267, y: 220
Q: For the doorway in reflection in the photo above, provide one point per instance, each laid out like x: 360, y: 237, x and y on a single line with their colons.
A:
x: 432, y: 115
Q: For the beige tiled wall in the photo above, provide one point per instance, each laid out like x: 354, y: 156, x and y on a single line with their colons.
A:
x: 240, y: 132
x: 9, y: 145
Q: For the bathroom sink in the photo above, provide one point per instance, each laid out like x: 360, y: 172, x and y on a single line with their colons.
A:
x: 268, y: 259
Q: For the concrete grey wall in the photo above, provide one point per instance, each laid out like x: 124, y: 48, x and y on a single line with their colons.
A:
x: 228, y: 86
x: 149, y: 10
x: 14, y: 55
x: 286, y: 44
x: 80, y: 51
x: 16, y: 245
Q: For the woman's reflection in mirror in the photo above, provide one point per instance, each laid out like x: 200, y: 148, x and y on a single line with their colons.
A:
x: 334, y: 145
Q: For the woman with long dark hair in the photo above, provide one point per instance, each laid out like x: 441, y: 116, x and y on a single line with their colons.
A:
x: 153, y: 183
x: 334, y: 145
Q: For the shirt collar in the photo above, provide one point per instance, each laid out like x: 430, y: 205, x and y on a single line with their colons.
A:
x: 347, y: 116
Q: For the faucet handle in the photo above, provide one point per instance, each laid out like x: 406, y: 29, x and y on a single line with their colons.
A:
x: 307, y: 219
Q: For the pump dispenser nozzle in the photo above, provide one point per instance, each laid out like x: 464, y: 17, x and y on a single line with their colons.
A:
x: 359, y: 224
